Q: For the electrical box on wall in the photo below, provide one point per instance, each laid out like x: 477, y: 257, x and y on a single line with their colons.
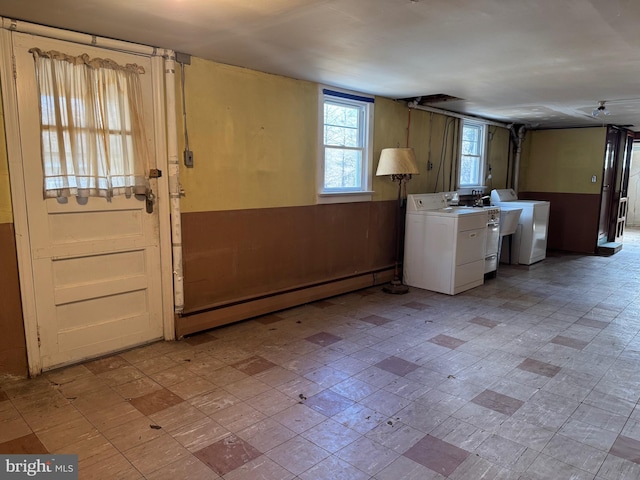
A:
x: 188, y: 158
x: 594, y: 179
x: 183, y: 58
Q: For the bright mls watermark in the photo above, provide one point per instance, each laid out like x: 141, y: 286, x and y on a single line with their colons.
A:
x: 51, y: 467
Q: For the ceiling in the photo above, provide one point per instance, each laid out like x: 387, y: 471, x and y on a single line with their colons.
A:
x: 543, y: 63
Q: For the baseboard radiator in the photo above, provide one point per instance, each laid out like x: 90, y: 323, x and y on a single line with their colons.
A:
x: 217, y: 315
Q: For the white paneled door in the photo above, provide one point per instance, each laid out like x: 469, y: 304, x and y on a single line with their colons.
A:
x: 95, y: 263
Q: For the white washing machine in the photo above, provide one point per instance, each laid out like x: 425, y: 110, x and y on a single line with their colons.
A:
x: 530, y: 238
x: 444, y: 246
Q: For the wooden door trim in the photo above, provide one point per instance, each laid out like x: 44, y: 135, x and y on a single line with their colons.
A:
x: 163, y: 197
x: 19, y: 203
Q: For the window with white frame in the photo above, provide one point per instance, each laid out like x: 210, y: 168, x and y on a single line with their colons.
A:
x: 472, y: 153
x: 346, y: 138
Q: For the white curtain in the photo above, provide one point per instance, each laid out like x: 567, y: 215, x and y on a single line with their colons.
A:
x: 91, y: 116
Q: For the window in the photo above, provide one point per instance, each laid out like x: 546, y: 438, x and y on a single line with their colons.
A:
x: 472, y: 154
x: 346, y: 153
x: 92, y: 130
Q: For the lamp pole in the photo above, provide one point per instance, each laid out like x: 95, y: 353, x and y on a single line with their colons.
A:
x: 399, y: 164
x: 396, y: 286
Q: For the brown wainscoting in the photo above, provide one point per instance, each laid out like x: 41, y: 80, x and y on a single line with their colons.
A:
x: 573, y: 220
x: 13, y: 349
x: 234, y: 258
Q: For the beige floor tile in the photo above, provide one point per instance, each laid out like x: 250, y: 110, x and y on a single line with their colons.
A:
x: 172, y: 375
x: 271, y: 402
x: 67, y: 374
x: 266, y: 434
x: 13, y: 428
x: 60, y: 436
x: 156, y: 453
x: 191, y: 387
x: 211, y: 402
x: 120, y: 375
x: 137, y: 388
x: 200, y: 434
x: 261, y: 467
x: 91, y: 449
x: 155, y: 364
x: 186, y: 468
x: 38, y: 386
x: 173, y: 418
x: 114, y: 415
x: 51, y: 417
x: 113, y: 466
x: 238, y: 417
x: 225, y: 375
x: 131, y: 434
x: 297, y: 455
x: 81, y: 386
x: 96, y: 399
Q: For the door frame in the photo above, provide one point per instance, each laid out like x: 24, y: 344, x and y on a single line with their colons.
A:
x: 616, y: 163
x: 18, y: 191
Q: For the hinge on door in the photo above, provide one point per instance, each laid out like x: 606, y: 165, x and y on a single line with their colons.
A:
x: 38, y: 332
x: 13, y: 67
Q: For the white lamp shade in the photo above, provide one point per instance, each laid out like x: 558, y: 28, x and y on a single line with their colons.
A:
x: 397, y: 161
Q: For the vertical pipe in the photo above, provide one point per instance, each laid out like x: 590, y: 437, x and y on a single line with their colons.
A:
x: 516, y: 161
x: 161, y: 187
x: 174, y: 182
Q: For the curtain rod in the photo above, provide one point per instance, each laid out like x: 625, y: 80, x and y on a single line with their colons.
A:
x: 76, y: 37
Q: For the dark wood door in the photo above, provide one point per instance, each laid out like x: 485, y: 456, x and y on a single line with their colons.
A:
x: 615, y: 180
x: 610, y: 154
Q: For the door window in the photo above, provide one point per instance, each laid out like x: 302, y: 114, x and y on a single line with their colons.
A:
x: 92, y: 127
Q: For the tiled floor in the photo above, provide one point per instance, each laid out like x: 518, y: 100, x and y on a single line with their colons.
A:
x: 535, y: 375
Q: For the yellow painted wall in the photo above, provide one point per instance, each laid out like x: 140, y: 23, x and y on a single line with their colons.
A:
x: 255, y: 141
x: 253, y: 136
x: 426, y: 137
x: 563, y: 161
x: 6, y: 215
x: 498, y: 158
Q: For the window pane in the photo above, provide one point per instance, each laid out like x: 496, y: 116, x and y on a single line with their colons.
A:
x: 343, y: 168
x: 469, y: 170
x: 471, y: 136
x: 341, y: 125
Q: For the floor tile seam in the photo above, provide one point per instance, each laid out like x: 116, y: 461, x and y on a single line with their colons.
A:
x: 22, y: 417
x: 123, y: 453
x: 299, y: 476
x: 589, y: 474
x: 265, y: 453
x: 113, y: 455
x: 70, y: 403
x: 509, y: 466
x: 559, y: 433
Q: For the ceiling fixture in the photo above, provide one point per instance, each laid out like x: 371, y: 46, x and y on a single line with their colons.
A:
x: 600, y: 110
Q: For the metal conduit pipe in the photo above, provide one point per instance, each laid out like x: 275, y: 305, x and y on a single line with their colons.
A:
x: 516, y: 161
x: 416, y: 106
x: 175, y: 189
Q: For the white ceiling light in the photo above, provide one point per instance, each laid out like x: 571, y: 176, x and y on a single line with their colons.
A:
x: 600, y: 110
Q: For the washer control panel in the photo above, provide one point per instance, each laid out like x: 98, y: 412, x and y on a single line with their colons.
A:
x: 493, y: 214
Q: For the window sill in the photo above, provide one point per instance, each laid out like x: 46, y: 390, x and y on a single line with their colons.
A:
x: 345, y: 197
